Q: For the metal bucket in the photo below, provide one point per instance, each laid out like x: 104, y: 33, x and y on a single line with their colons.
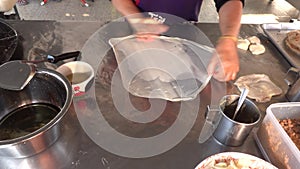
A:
x: 30, y: 118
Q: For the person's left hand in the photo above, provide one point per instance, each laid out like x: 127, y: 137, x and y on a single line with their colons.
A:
x: 147, y: 28
x: 224, y: 65
x: 144, y: 25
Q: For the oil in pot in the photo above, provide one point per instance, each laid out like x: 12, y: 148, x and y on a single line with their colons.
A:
x: 76, y: 78
x: 26, y: 119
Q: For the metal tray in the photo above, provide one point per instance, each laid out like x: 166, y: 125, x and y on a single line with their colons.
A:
x: 277, y: 35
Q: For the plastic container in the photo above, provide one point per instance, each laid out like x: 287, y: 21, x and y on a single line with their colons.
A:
x: 274, y: 142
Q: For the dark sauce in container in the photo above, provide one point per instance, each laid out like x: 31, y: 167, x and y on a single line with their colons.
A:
x: 244, y: 115
x: 26, y: 119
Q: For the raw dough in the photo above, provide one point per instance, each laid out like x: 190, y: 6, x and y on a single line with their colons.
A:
x: 261, y: 88
x: 162, y: 58
x: 257, y: 49
x: 253, y: 44
x: 243, y: 44
x: 254, y: 40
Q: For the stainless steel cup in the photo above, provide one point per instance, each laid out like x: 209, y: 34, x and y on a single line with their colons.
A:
x: 234, y: 132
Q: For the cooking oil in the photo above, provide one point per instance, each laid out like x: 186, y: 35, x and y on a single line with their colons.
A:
x: 26, y: 119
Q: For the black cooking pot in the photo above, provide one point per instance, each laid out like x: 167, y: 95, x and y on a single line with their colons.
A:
x: 8, y: 41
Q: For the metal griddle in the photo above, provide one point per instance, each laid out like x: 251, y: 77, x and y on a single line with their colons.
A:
x: 277, y: 35
x: 75, y: 149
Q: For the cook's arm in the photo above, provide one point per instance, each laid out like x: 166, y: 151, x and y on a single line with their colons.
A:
x: 125, y: 7
x: 140, y: 24
x: 226, y: 66
x: 230, y: 17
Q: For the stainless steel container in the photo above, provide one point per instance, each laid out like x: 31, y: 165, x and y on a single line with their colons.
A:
x: 47, y: 88
x: 234, y: 132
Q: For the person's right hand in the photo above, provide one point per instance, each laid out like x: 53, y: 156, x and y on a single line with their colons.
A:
x: 147, y: 26
x: 224, y: 65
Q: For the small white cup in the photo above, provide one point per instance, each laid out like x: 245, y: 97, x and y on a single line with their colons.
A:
x: 80, y: 74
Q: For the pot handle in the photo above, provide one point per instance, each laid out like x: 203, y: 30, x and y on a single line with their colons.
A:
x: 212, y: 119
x: 292, y: 80
x: 55, y: 59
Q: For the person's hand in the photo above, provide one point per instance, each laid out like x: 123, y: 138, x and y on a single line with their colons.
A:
x: 224, y: 65
x: 145, y: 28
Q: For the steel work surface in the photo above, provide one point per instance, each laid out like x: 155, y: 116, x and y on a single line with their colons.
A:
x: 75, y: 149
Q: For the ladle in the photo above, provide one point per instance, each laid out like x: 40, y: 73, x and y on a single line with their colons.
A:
x: 242, y: 98
x: 15, y: 75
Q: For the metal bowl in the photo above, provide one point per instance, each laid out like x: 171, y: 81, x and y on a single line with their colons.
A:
x: 30, y: 118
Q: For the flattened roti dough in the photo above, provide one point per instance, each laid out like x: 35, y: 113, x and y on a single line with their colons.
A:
x: 261, y: 88
x: 243, y: 44
x: 253, y: 44
x: 254, y: 40
x: 293, y: 41
x: 257, y: 49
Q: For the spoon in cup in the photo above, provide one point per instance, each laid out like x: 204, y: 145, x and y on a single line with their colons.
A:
x: 242, y: 98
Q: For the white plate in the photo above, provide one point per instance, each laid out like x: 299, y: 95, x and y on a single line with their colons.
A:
x: 249, y: 161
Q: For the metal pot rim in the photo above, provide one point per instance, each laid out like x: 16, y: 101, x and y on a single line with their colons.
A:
x: 227, y: 97
x: 54, y: 121
x: 15, y: 36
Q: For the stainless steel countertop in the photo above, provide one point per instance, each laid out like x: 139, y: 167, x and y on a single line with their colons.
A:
x: 75, y: 149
